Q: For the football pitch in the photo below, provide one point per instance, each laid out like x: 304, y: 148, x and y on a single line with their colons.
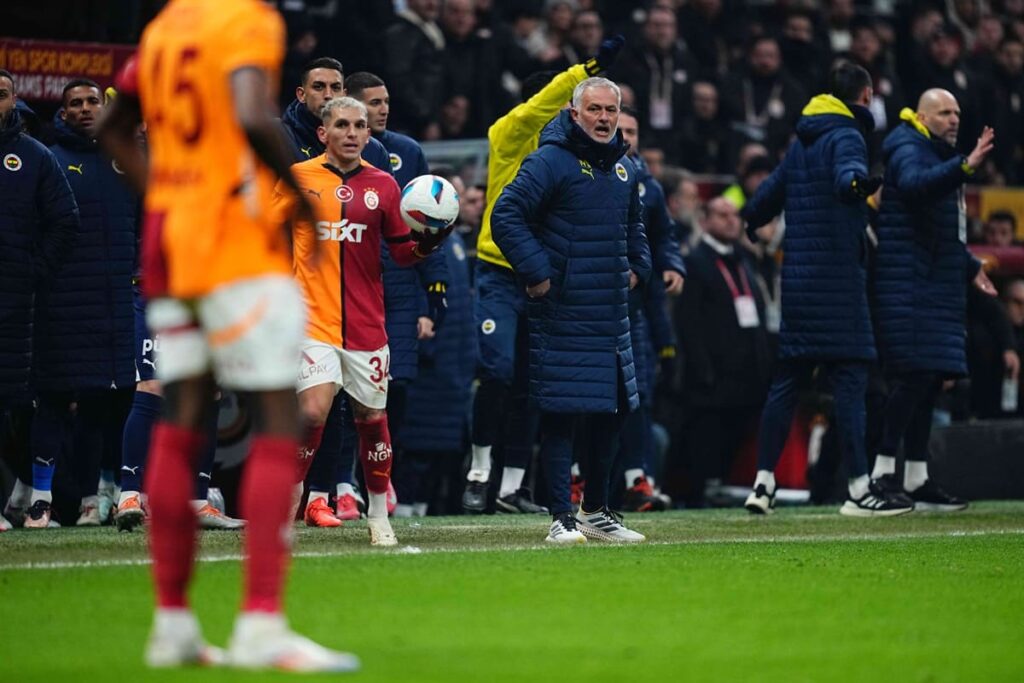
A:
x: 803, y: 595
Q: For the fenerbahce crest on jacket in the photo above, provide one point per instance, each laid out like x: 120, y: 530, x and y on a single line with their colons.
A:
x: 337, y: 261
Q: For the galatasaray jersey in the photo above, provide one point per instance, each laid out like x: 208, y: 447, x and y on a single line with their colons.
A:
x: 208, y: 198
x: 337, y: 261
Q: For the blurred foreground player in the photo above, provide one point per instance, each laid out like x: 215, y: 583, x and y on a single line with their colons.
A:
x: 346, y: 345
x: 222, y: 299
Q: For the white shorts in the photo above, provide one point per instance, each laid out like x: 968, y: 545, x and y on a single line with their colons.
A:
x: 248, y: 333
x: 362, y: 374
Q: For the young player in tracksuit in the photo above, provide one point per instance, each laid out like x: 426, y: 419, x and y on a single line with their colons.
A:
x: 500, y: 307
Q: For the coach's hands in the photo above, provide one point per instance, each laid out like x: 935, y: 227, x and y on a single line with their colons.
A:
x: 606, y: 55
x: 538, y: 290
x: 865, y: 187
x: 984, y: 145
x: 428, y: 242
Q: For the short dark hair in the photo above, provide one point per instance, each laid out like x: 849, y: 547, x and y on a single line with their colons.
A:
x: 78, y: 83
x: 629, y: 111
x: 358, y: 82
x: 320, y: 63
x: 4, y: 73
x: 1003, y: 215
x: 847, y: 81
x: 535, y: 82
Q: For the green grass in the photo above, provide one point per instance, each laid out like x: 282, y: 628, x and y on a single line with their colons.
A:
x: 804, y: 595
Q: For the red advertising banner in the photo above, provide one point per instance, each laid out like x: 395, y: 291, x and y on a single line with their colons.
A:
x: 42, y: 67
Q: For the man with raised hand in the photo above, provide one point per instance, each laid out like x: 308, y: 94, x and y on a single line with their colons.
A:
x: 922, y: 272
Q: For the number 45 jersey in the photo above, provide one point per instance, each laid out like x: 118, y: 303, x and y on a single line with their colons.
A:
x: 337, y: 260
x: 208, y: 198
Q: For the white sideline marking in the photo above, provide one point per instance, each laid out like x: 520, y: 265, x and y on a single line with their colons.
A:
x: 412, y: 550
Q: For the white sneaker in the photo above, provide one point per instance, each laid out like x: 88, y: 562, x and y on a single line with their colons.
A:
x: 213, y: 519
x: 606, y: 525
x: 89, y: 513
x: 4, y: 524
x: 176, y: 641
x: 760, y: 501
x: 564, y: 532
x: 381, y: 533
x: 264, y: 641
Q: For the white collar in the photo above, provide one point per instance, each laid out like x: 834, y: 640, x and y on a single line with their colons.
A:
x: 722, y: 248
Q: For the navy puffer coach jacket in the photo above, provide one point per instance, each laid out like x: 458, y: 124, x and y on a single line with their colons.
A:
x: 573, y: 215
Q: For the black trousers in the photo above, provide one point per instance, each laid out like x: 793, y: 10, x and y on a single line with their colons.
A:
x: 908, y: 414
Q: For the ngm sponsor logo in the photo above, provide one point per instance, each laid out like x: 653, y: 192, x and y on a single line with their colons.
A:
x: 340, y: 231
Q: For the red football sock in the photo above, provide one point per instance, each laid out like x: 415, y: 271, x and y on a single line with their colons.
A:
x: 375, y: 453
x: 170, y: 478
x: 266, y: 505
x: 307, y: 451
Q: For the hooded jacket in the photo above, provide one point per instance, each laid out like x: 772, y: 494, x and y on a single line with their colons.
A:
x: 38, y: 224
x: 923, y: 267
x: 573, y: 215
x: 85, y: 319
x: 825, y: 312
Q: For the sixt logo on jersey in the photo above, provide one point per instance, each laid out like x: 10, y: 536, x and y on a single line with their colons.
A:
x: 340, y: 231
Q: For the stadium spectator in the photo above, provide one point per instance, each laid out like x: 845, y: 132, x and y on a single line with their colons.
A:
x: 704, y: 138
x: 1008, y: 113
x: 804, y: 56
x: 585, y: 36
x: 711, y: 30
x: 500, y: 305
x: 414, y: 65
x: 991, y: 353
x: 761, y: 100
x: 436, y: 428
x: 720, y: 319
x: 753, y: 172
x: 683, y: 199
x: 1001, y: 229
x: 580, y: 355
x: 659, y: 70
x: 39, y: 224
x: 840, y: 17
x: 84, y: 327
x: 920, y: 295
x: 1013, y: 299
x: 226, y: 303
x: 887, y: 100
x: 825, y: 317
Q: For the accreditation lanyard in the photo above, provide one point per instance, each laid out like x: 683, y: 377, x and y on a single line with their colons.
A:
x: 746, y: 307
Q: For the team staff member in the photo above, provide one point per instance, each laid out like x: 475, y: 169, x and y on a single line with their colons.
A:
x: 500, y: 301
x: 571, y: 225
x: 920, y: 292
x: 356, y: 207
x: 223, y: 301
x: 822, y: 185
x: 38, y: 226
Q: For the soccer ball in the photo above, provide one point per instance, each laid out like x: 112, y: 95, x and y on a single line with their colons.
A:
x: 429, y: 204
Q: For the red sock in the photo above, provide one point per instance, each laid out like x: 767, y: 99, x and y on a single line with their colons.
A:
x: 170, y: 479
x: 307, y: 451
x: 375, y: 453
x: 266, y: 504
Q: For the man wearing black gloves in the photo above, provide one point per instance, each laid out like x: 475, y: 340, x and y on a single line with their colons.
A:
x: 822, y: 185
x: 920, y: 284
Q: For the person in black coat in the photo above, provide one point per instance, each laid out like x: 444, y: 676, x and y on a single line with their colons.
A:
x: 38, y: 225
x: 726, y: 355
x: 414, y: 66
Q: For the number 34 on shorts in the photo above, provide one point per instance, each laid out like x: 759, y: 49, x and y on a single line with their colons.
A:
x: 362, y: 374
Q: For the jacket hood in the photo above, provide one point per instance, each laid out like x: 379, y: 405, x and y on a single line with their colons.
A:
x: 12, y: 126
x: 564, y: 132
x: 913, y: 132
x: 827, y: 112
x: 304, y: 123
x: 69, y: 138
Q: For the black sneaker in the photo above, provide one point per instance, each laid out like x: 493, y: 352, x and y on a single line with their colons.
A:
x: 640, y: 497
x: 929, y: 496
x: 518, y: 503
x: 38, y: 516
x: 889, y: 485
x: 876, y: 503
x: 474, y: 498
x: 760, y: 502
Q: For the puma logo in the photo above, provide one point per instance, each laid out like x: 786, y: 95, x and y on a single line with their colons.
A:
x: 314, y: 192
x: 148, y: 362
x: 132, y: 470
x: 307, y: 151
x: 76, y: 169
x: 586, y: 169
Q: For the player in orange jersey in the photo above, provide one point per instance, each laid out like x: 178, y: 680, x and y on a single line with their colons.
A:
x: 222, y: 299
x: 338, y: 265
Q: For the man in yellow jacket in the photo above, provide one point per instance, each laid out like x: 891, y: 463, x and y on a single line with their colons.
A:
x: 500, y: 306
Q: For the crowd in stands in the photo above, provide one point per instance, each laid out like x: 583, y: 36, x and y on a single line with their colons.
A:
x: 716, y: 86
